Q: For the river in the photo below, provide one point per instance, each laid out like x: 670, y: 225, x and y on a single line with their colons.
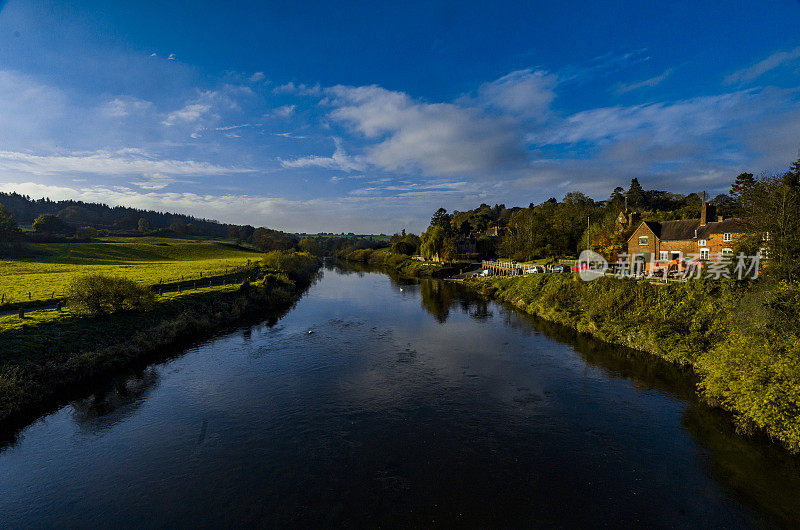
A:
x: 386, y: 402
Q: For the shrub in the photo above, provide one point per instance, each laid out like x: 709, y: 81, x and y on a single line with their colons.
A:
x: 298, y: 266
x: 99, y: 294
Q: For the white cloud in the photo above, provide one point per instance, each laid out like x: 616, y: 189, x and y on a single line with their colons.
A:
x: 122, y: 107
x: 155, y: 182
x: 438, y: 139
x: 524, y: 93
x: 256, y: 77
x: 339, y: 160
x: 653, y: 81
x: 285, y: 111
x: 118, y: 163
x: 188, y: 114
x: 300, y: 90
x: 757, y: 70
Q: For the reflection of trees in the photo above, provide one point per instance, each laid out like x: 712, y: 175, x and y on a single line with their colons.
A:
x: 757, y: 473
x: 438, y: 297
x: 115, y: 402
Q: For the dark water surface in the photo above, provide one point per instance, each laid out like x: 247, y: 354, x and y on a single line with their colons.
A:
x: 407, y: 404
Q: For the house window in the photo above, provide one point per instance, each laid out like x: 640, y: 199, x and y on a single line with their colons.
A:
x: 727, y: 236
x: 767, y: 236
x: 727, y: 253
x: 676, y: 255
x: 663, y: 255
x: 701, y: 242
x: 704, y: 253
x: 643, y: 241
x: 764, y: 253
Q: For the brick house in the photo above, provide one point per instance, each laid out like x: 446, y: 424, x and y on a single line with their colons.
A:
x: 675, y: 242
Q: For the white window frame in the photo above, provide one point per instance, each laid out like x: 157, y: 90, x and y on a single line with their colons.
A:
x: 646, y: 240
x: 663, y: 255
x: 678, y: 252
x: 705, y: 254
x: 726, y: 253
x: 701, y: 242
x: 727, y: 237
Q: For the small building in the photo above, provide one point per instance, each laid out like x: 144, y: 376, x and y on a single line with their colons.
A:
x: 708, y: 238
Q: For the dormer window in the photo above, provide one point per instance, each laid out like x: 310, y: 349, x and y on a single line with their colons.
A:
x: 727, y: 236
x: 701, y: 242
x: 643, y: 241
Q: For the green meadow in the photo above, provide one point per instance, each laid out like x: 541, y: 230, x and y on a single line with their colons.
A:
x: 50, y: 267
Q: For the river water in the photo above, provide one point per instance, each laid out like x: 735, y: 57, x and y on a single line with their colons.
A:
x: 408, y: 403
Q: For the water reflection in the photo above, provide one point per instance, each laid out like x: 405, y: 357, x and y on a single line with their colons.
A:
x: 439, y: 297
x: 114, y: 402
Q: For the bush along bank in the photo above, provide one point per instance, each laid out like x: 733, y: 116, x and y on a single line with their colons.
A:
x: 42, y: 361
x: 742, y: 339
x: 397, y: 263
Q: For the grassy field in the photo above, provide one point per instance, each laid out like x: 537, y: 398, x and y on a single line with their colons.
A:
x: 150, y: 261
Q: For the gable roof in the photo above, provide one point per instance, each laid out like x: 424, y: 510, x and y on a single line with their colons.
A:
x: 689, y: 229
x: 679, y: 230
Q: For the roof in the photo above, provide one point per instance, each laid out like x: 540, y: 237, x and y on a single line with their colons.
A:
x: 690, y: 229
x: 679, y: 230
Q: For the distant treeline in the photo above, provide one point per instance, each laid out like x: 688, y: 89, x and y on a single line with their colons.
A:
x: 77, y: 220
x: 77, y: 214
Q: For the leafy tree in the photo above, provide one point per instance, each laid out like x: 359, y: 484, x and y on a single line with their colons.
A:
x: 144, y: 225
x: 178, y: 226
x: 85, y: 232
x: 773, y: 205
x: 432, y: 241
x: 8, y: 226
x: 98, y: 294
x: 50, y: 224
x: 441, y: 218
x: 741, y: 191
x: 310, y: 245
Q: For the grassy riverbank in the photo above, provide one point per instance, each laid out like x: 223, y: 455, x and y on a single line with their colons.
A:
x: 52, y: 352
x: 49, y: 268
x: 743, y: 340
x: 397, y: 263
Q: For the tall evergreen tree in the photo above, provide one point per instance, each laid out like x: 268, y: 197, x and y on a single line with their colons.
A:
x: 635, y: 194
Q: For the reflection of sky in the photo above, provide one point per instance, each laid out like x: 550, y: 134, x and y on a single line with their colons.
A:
x: 259, y: 422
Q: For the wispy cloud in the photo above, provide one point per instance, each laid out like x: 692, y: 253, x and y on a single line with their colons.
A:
x: 525, y: 93
x: 653, y: 81
x: 760, y: 68
x: 107, y: 163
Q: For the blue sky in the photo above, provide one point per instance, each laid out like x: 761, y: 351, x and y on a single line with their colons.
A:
x: 366, y: 117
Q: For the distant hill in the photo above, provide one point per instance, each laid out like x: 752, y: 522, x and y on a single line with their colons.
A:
x: 112, y: 218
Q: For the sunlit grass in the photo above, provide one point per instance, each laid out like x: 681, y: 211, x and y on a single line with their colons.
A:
x: 145, y: 260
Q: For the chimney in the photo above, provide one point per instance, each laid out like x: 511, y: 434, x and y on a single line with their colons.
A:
x: 707, y: 213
